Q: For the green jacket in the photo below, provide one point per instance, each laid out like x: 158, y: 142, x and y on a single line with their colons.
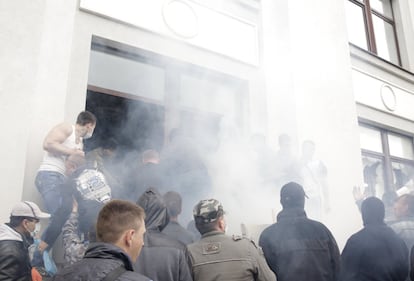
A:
x: 220, y: 257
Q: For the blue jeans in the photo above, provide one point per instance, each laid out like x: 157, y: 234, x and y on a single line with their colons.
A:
x: 48, y: 184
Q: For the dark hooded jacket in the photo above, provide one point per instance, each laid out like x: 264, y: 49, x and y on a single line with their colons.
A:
x: 297, y: 248
x: 161, y: 258
x: 374, y: 253
x: 100, y: 260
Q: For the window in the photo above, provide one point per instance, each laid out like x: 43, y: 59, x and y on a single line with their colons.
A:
x: 371, y: 26
x: 388, y: 162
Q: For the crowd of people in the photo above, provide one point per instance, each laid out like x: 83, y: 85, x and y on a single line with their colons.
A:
x: 133, y: 233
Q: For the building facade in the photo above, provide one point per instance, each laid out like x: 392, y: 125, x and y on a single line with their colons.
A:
x: 338, y: 73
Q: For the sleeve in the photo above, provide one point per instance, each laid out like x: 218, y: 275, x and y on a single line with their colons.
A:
x: 335, y: 255
x: 74, y: 246
x: 404, y: 270
x: 10, y: 261
x: 264, y: 273
x: 185, y: 267
x: 349, y: 261
x: 266, y: 249
x: 412, y: 263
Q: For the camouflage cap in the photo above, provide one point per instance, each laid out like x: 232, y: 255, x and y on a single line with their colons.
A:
x: 208, y: 210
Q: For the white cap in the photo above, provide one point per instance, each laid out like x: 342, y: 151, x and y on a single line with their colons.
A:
x: 28, y: 209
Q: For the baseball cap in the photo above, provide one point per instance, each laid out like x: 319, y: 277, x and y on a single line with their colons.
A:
x: 28, y: 209
x: 292, y: 194
x: 208, y: 210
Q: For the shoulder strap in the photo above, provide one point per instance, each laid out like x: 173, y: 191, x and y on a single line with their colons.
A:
x: 114, y: 274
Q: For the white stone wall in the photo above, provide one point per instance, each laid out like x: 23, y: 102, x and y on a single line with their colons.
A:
x: 300, y: 85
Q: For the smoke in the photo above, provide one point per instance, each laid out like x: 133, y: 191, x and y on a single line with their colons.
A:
x: 199, y: 129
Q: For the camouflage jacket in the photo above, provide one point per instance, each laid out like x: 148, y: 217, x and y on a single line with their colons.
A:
x: 74, y: 245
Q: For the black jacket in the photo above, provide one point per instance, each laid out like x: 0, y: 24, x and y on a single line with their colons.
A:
x: 374, y: 253
x: 175, y: 231
x: 297, y: 248
x: 100, y: 259
x: 14, y: 255
x: 161, y: 258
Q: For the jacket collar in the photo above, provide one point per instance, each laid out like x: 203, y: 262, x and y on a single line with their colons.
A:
x: 291, y: 213
x: 108, y: 251
x: 9, y: 233
x: 212, y: 233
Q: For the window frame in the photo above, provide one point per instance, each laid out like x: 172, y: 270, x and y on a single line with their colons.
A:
x: 386, y: 156
x: 369, y: 26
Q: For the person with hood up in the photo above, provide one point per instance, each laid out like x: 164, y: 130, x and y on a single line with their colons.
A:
x: 15, y: 239
x: 375, y: 253
x: 162, y: 258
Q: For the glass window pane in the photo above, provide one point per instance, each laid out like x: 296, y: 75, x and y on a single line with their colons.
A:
x: 385, y: 40
x: 373, y: 176
x: 400, y: 146
x: 370, y: 139
x: 403, y: 175
x: 125, y: 75
x: 382, y: 6
x: 210, y: 96
x: 356, y: 25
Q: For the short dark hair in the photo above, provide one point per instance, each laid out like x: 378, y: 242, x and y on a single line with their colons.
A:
x: 15, y: 221
x: 203, y: 227
x: 372, y: 211
x: 110, y: 144
x: 86, y: 117
x: 408, y: 199
x: 116, y: 217
x: 76, y: 160
x: 173, y: 202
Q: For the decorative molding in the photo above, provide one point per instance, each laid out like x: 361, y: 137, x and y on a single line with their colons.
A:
x: 388, y: 97
x: 187, y: 25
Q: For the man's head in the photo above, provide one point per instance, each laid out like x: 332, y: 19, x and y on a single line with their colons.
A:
x: 86, y: 122
x: 292, y: 195
x: 404, y: 206
x: 122, y: 223
x: 150, y: 156
x: 209, y: 216
x: 156, y: 213
x: 25, y: 215
x: 373, y: 211
x: 109, y: 147
x: 173, y: 202
x: 73, y: 162
x: 285, y: 142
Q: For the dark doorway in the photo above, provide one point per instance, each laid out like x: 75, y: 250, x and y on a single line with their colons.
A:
x: 135, y: 124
